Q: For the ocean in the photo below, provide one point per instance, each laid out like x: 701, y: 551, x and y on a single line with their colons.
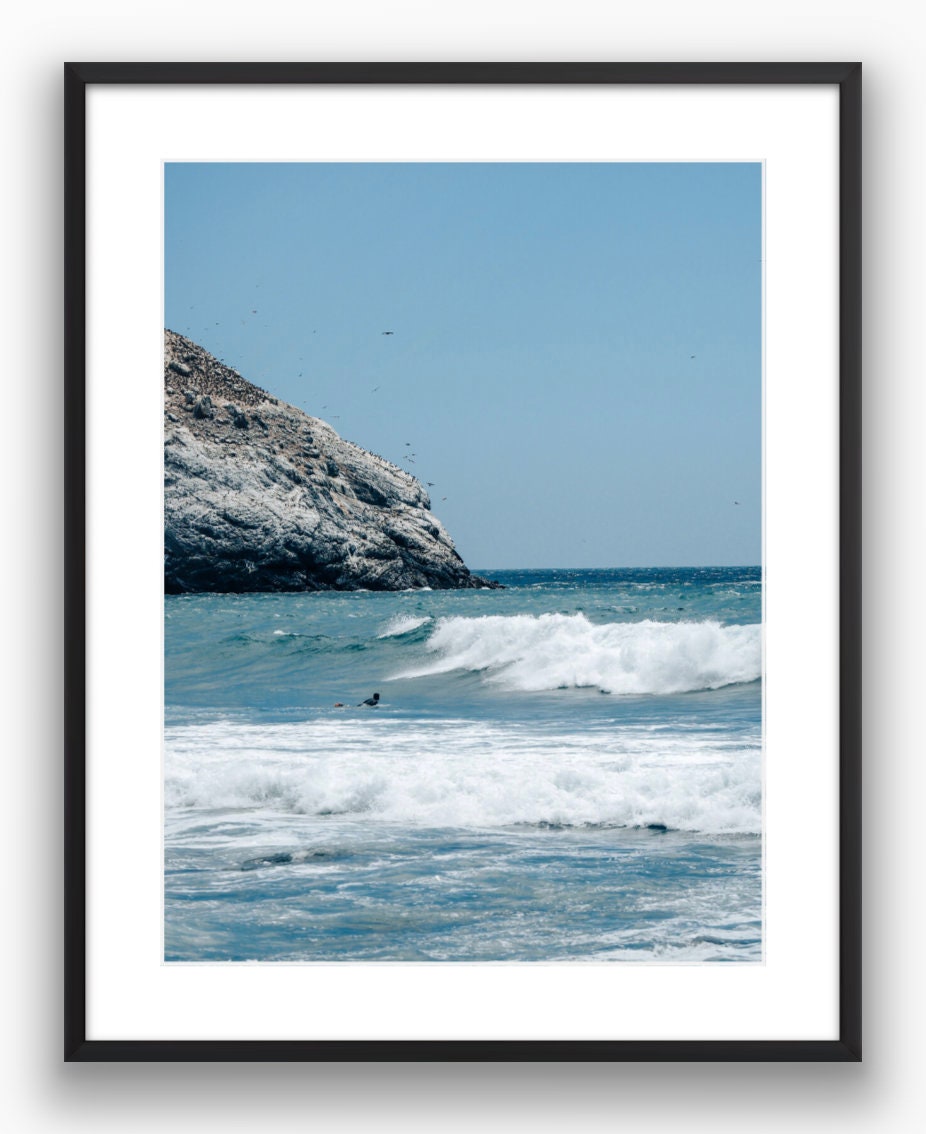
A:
x: 566, y: 770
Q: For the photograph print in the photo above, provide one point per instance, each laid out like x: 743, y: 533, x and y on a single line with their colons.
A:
x: 463, y: 563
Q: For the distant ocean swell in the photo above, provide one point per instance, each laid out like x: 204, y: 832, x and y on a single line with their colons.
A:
x: 470, y: 774
x: 561, y: 651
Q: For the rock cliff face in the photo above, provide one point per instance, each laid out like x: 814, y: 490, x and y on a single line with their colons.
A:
x: 259, y: 496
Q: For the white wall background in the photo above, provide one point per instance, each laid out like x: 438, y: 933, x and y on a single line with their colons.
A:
x: 40, y: 1093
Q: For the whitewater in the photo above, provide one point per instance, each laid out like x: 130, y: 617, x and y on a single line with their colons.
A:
x: 569, y: 769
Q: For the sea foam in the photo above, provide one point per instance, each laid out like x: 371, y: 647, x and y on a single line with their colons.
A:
x: 471, y: 774
x: 556, y: 651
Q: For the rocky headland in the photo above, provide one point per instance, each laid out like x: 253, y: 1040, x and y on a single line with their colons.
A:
x: 259, y: 496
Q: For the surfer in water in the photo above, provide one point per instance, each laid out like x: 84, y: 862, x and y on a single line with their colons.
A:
x: 372, y: 701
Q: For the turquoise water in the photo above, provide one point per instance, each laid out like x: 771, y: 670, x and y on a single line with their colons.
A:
x: 567, y: 769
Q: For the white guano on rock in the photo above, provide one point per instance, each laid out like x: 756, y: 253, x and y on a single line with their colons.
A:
x: 259, y: 496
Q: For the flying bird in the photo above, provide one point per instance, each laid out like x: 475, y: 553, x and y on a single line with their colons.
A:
x: 388, y: 332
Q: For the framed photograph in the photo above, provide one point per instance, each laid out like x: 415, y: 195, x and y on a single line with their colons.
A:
x: 463, y: 562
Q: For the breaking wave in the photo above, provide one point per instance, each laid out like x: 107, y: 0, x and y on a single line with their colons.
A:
x: 559, y: 651
x: 471, y: 774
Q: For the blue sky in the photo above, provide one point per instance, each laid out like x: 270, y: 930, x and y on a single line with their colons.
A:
x: 576, y: 356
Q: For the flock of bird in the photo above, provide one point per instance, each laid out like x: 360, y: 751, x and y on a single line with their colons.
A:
x: 409, y: 457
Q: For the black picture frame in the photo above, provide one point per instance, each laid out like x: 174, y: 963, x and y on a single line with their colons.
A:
x: 847, y: 77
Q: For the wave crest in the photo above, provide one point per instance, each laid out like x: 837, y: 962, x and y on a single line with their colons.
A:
x: 533, y: 653
x: 403, y: 624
